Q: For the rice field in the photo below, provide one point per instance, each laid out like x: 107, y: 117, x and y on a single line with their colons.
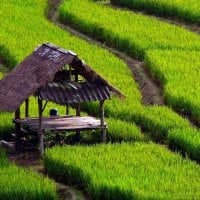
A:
x: 99, y: 26
x: 136, y: 170
x: 178, y: 71
x: 155, y: 120
x: 129, y: 32
x: 18, y: 183
x: 126, y: 171
x: 186, y: 10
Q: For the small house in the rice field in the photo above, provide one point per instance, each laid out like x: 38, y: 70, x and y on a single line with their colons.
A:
x: 54, y: 74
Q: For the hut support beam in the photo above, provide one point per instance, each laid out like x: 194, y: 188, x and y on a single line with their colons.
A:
x: 103, y: 131
x: 67, y: 109
x: 27, y: 108
x: 17, y: 129
x: 78, y: 110
x: 41, y: 133
x: 78, y: 113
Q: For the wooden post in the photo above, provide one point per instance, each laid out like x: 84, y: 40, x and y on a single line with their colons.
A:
x: 67, y: 109
x: 70, y: 74
x: 102, y: 121
x: 41, y: 133
x: 17, y: 129
x: 78, y: 110
x: 27, y: 108
x: 17, y: 113
x: 78, y: 113
x: 76, y: 76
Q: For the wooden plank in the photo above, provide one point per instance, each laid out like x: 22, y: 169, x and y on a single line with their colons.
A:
x: 73, y: 123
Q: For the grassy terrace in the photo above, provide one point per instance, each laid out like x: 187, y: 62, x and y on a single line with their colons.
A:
x: 179, y: 73
x: 187, y: 10
x: 126, y: 30
x: 126, y: 171
x: 18, y: 24
x: 156, y: 120
x: 17, y: 183
x: 113, y: 171
x: 138, y: 31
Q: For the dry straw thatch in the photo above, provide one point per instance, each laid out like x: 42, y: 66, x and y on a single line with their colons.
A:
x: 38, y: 70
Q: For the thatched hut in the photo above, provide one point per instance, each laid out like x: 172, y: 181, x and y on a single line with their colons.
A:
x: 54, y: 74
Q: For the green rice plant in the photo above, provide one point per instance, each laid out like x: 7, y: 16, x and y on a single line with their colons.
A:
x: 129, y: 32
x: 187, y: 10
x: 3, y: 159
x: 179, y: 72
x: 24, y: 25
x: 187, y: 141
x: 18, y: 183
x: 125, y: 171
x: 119, y: 131
x: 155, y: 120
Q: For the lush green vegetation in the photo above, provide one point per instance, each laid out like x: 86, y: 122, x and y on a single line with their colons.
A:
x: 187, y: 141
x: 188, y: 10
x: 126, y: 171
x: 179, y: 72
x: 128, y: 31
x: 113, y: 171
x: 156, y: 120
x: 73, y: 12
x: 119, y: 131
x: 17, y: 183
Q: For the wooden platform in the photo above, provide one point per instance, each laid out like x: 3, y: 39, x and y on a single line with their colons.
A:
x: 61, y: 123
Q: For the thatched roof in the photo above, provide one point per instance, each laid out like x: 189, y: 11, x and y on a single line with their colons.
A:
x: 37, y: 71
x: 74, y: 93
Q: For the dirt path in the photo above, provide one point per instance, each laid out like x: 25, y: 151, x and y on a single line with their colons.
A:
x: 31, y: 160
x: 150, y: 90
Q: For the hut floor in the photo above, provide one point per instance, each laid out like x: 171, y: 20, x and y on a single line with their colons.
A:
x: 61, y: 123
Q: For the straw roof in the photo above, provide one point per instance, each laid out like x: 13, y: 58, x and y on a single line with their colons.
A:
x: 38, y: 70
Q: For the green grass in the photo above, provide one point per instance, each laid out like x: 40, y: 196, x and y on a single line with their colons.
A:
x: 119, y: 131
x: 21, y: 184
x: 187, y: 10
x: 126, y: 171
x: 124, y: 29
x: 187, y: 141
x: 22, y: 20
x: 130, y: 32
x: 178, y: 71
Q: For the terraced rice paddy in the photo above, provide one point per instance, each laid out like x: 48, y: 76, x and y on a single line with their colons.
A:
x: 126, y: 171
x: 185, y: 10
x: 172, y: 55
x: 179, y: 73
x: 147, y: 29
x: 125, y: 30
x: 17, y: 183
